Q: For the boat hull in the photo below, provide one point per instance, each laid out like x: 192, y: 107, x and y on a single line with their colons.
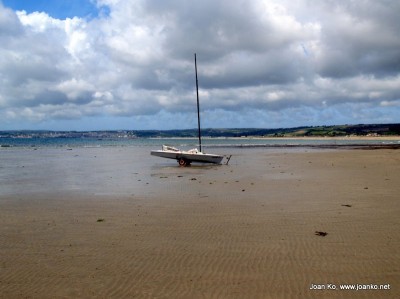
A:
x: 189, y: 157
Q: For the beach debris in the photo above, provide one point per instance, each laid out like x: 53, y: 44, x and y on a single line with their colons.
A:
x: 243, y: 190
x: 365, y: 188
x: 346, y: 205
x: 321, y: 234
x: 101, y: 220
x: 193, y: 179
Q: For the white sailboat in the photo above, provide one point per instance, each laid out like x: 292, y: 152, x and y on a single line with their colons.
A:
x: 184, y: 158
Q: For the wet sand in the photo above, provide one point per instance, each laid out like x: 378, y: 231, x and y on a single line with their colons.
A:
x: 246, y: 230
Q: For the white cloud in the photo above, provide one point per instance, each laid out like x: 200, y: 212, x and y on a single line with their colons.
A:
x: 39, y: 21
x: 303, y: 61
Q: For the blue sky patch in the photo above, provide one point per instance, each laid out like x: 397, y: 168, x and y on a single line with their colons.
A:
x: 60, y: 9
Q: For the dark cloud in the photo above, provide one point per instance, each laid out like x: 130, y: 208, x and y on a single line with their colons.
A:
x: 359, y: 38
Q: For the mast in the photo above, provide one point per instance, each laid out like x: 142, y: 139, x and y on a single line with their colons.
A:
x: 198, y: 105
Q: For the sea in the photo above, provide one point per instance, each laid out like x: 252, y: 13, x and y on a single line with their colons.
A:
x: 186, y: 143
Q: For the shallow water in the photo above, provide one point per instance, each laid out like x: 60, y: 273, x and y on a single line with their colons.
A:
x: 107, y: 170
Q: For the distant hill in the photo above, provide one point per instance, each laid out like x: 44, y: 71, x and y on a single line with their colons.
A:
x: 317, y: 131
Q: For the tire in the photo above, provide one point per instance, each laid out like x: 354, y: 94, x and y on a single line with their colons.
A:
x: 182, y: 162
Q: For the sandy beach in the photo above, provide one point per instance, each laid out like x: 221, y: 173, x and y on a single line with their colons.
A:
x: 99, y: 223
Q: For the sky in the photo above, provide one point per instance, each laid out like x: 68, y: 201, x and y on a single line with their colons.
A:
x: 129, y: 64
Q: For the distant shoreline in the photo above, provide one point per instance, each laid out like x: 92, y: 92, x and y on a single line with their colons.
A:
x: 392, y: 137
x: 362, y: 146
x: 383, y: 137
x: 337, y: 131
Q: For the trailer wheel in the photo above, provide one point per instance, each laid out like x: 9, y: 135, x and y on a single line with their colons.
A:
x: 182, y: 162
